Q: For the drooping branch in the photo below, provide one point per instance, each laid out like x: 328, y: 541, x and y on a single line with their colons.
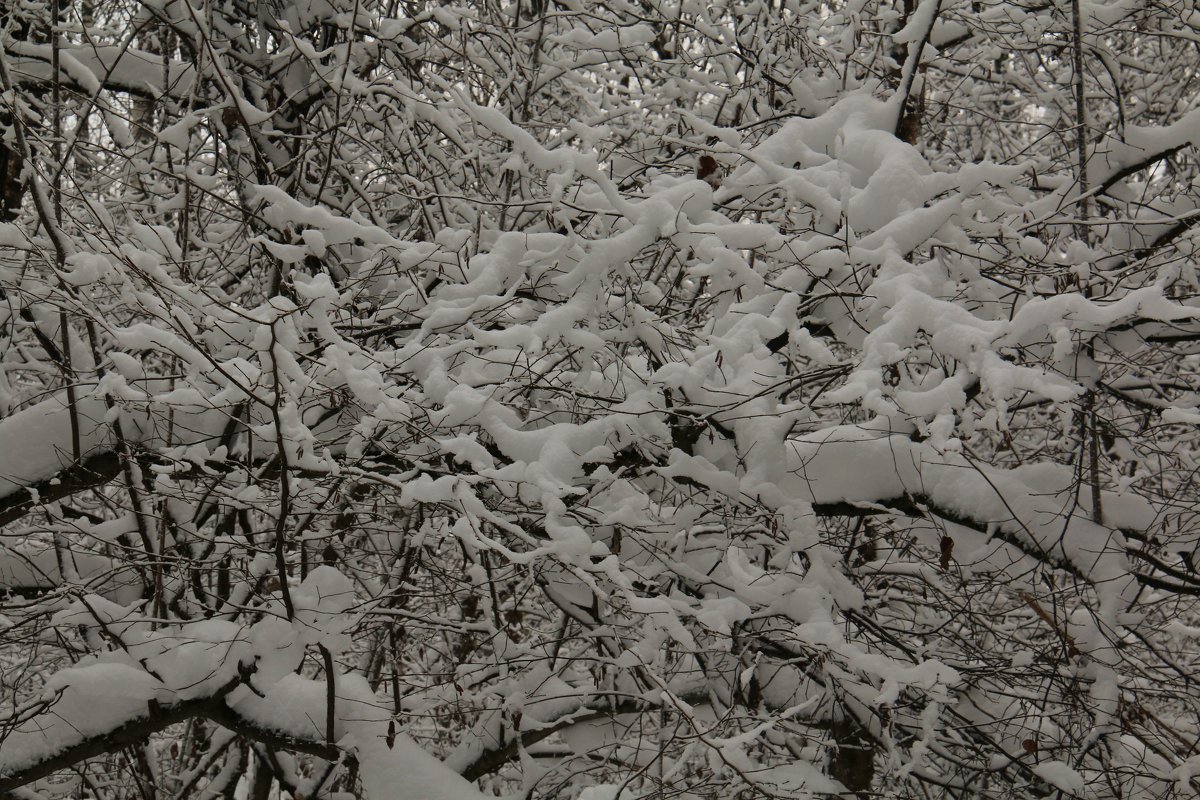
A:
x: 37, y: 443
x: 87, y: 68
x: 159, y: 717
x: 488, y: 759
x: 95, y: 470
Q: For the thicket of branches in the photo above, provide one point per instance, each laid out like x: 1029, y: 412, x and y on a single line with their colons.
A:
x: 599, y: 400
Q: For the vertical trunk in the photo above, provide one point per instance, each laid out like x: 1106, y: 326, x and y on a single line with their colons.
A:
x: 260, y: 789
x: 853, y: 763
x: 908, y: 125
x: 158, y: 39
x: 909, y: 75
x: 1089, y: 433
x: 12, y: 185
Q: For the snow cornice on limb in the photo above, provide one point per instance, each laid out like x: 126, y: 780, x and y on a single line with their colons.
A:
x: 241, y: 677
x: 95, y: 470
x: 854, y: 470
x: 378, y: 766
x: 89, y: 69
x: 158, y: 717
x: 847, y: 470
x: 38, y: 466
x: 37, y: 440
x: 37, y: 446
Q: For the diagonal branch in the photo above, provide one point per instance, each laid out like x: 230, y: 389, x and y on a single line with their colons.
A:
x: 158, y: 718
x: 95, y: 470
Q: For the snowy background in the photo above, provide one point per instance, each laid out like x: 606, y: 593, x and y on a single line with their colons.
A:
x: 609, y: 400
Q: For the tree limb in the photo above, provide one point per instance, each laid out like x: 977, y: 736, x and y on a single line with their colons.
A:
x: 158, y: 717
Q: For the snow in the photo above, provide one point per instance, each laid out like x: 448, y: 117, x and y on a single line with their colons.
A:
x: 721, y: 432
x: 120, y: 66
x: 296, y: 706
x: 1060, y: 776
x: 86, y: 701
x: 178, y: 134
x: 35, y: 565
x: 105, y: 691
x: 37, y: 440
x: 284, y: 212
x: 800, y: 779
x: 168, y: 666
x: 86, y: 268
x: 608, y: 40
x: 1186, y: 416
